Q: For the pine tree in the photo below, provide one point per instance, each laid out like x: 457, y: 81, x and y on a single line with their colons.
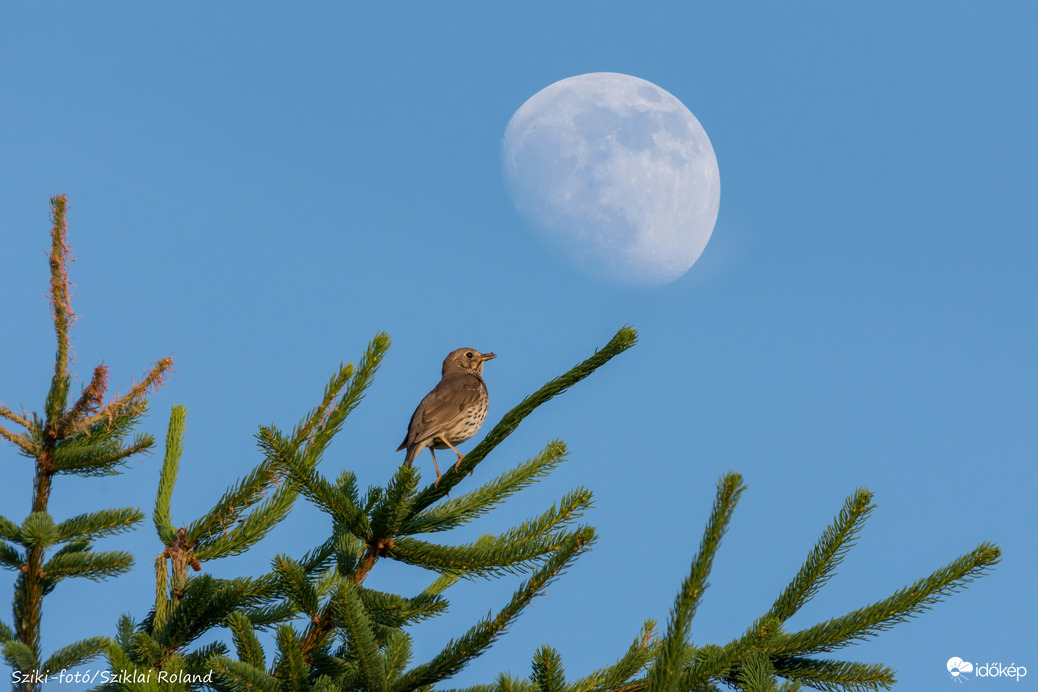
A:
x: 86, y: 439
x: 333, y: 630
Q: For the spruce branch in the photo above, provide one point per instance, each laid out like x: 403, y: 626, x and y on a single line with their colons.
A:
x: 23, y: 442
x: 22, y: 420
x: 75, y: 654
x: 291, y: 667
x: 899, y: 607
x: 162, y: 516
x: 358, y: 384
x: 106, y: 522
x: 397, y: 655
x: 245, y: 642
x: 243, y: 677
x: 94, y: 566
x: 348, y: 610
x: 641, y: 651
x: 294, y: 582
x: 624, y: 339
x: 548, y: 675
x: 395, y: 611
x: 133, y: 402
x: 11, y: 558
x: 307, y: 480
x: 757, y: 674
x: 457, y: 654
x: 666, y: 671
x: 253, y: 528
x: 836, y: 676
x: 394, y: 504
x: 88, y: 456
x: 456, y: 512
x: 827, y: 554
x: 88, y: 403
x: 9, y: 531
x: 485, y: 557
x: 61, y: 306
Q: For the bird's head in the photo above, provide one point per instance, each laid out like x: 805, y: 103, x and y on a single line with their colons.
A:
x: 465, y: 360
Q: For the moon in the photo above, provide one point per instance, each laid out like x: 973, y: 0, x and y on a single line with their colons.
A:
x: 616, y: 174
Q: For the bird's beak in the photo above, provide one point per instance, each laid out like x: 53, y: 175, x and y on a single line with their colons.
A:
x: 489, y: 356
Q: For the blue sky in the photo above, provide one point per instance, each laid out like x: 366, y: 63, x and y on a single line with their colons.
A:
x: 258, y: 188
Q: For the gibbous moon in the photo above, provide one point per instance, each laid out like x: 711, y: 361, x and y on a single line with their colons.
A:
x: 617, y: 174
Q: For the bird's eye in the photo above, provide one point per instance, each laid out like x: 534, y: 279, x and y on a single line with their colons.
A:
x: 469, y: 354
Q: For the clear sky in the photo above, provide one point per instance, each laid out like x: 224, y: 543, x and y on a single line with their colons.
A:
x: 258, y: 188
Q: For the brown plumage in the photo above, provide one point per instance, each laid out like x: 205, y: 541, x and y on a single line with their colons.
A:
x: 453, y: 411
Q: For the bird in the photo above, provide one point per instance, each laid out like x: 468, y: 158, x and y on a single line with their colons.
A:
x: 453, y: 411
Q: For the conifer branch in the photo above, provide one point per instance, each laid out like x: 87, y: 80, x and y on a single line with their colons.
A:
x: 162, y: 515
x: 319, y: 415
x: 456, y: 512
x: 394, y: 611
x: 397, y: 655
x: 830, y: 550
x: 23, y: 442
x: 93, y: 566
x: 899, y: 607
x: 623, y: 340
x: 245, y: 641
x: 348, y: 610
x: 293, y: 579
x: 836, y: 676
x: 97, y: 524
x: 85, y: 456
x: 243, y: 677
x: 458, y: 653
x: 235, y: 502
x: 308, y: 481
x: 75, y: 654
x: 757, y: 674
x: 10, y: 415
x: 485, y: 557
x: 11, y: 558
x: 548, y: 675
x: 61, y: 307
x: 291, y: 667
x: 9, y: 531
x: 250, y: 530
x: 642, y: 650
x: 666, y: 671
x: 89, y: 401
x: 133, y: 402
x: 394, y: 505
x: 358, y: 384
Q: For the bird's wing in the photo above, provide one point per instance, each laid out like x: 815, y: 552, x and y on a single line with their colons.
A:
x: 443, y: 406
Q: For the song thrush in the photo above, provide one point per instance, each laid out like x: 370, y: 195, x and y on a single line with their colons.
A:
x: 453, y: 411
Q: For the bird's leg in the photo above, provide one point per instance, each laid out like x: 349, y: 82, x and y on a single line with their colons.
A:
x: 460, y: 456
x: 435, y: 466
